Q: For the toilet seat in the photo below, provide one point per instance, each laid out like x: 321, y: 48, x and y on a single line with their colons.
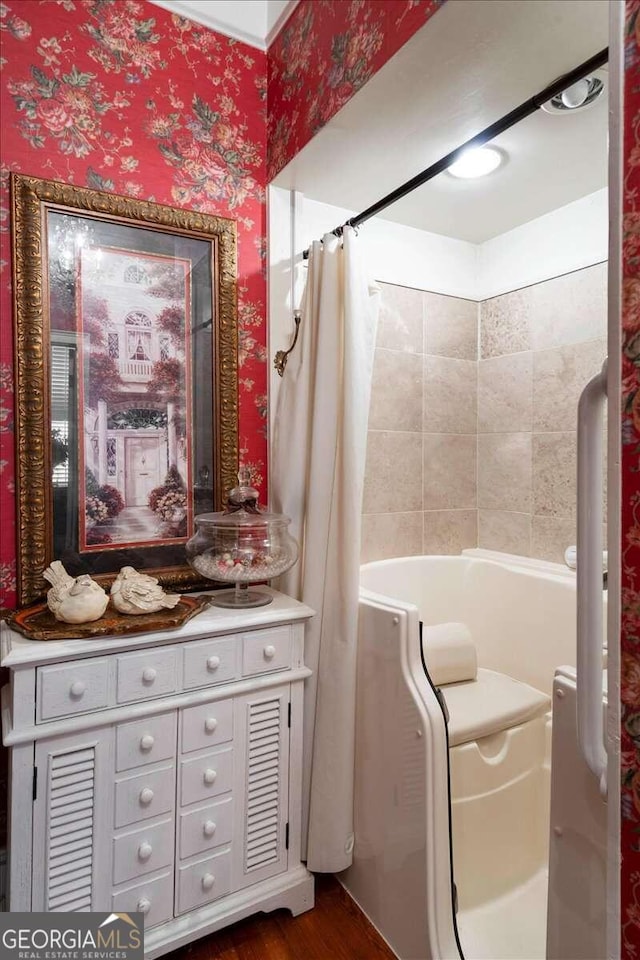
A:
x: 490, y: 703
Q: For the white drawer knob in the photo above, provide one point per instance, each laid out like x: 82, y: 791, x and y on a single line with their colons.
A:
x: 269, y: 652
x: 210, y: 724
x: 149, y: 674
x: 208, y: 881
x: 213, y: 663
x: 144, y: 851
x: 146, y: 742
x: 77, y: 689
x: 146, y: 796
x: 143, y: 905
x: 209, y: 828
x: 210, y: 776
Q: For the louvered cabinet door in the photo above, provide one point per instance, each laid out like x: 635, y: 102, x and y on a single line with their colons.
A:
x: 262, y: 785
x: 71, y: 817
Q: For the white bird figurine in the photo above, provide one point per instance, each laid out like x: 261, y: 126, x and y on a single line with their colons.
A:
x: 133, y: 592
x: 74, y: 599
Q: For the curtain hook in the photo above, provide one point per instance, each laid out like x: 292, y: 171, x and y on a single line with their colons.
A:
x: 281, y: 357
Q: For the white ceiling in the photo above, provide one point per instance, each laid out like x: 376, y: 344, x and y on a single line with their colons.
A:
x: 256, y: 22
x: 471, y: 63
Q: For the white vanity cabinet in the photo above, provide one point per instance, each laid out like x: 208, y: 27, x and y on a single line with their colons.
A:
x: 160, y: 773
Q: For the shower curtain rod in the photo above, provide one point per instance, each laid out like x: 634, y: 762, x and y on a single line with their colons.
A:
x: 489, y: 133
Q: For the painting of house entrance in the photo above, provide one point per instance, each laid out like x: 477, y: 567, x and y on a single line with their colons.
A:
x: 135, y: 398
x: 126, y: 374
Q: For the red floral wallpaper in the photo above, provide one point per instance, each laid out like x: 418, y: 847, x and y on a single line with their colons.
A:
x: 327, y: 50
x: 630, y: 639
x: 123, y: 96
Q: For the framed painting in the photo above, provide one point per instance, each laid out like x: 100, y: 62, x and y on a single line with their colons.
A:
x: 126, y: 340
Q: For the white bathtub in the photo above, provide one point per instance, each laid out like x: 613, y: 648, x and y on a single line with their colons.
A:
x: 521, y: 616
x: 521, y: 613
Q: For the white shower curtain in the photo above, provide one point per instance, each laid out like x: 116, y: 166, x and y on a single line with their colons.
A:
x: 317, y: 478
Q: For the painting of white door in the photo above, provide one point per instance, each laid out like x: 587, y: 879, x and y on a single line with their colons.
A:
x: 143, y: 468
x: 135, y: 388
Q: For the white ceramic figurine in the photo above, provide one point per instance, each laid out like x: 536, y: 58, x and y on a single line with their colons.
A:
x: 74, y: 599
x: 134, y: 592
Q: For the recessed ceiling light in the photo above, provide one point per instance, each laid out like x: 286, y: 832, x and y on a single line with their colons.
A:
x: 476, y: 162
x: 578, y: 95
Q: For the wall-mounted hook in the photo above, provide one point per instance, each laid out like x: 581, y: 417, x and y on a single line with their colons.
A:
x: 281, y: 357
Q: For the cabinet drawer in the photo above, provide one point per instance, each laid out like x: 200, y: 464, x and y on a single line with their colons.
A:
x: 209, y: 661
x: 153, y: 898
x: 206, y: 776
x: 205, y: 827
x: 73, y: 688
x: 204, y: 881
x: 266, y: 650
x: 143, y: 851
x: 207, y: 725
x: 145, y: 795
x: 145, y: 741
x: 142, y: 676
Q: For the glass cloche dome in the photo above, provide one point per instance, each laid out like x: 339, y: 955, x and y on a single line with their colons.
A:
x: 241, y: 545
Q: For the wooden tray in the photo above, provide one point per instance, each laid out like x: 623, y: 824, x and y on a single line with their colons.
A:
x: 38, y: 623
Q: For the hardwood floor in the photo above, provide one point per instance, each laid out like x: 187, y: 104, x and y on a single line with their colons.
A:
x: 334, y: 930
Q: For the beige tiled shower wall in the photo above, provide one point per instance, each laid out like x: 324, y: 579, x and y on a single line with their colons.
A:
x: 465, y: 452
x: 420, y: 482
x: 538, y: 348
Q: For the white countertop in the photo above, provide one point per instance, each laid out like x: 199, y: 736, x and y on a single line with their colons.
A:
x: 17, y: 650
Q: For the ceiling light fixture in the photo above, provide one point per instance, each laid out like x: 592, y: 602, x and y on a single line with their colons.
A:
x: 580, y: 94
x: 575, y: 95
x: 477, y: 162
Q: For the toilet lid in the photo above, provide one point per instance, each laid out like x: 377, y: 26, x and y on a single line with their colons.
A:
x: 490, y: 703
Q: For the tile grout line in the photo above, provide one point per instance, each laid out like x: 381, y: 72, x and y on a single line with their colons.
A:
x: 531, y: 481
x: 478, y: 357
x: 423, y: 304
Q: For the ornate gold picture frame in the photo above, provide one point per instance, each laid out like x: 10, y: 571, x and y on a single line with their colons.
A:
x: 126, y: 342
